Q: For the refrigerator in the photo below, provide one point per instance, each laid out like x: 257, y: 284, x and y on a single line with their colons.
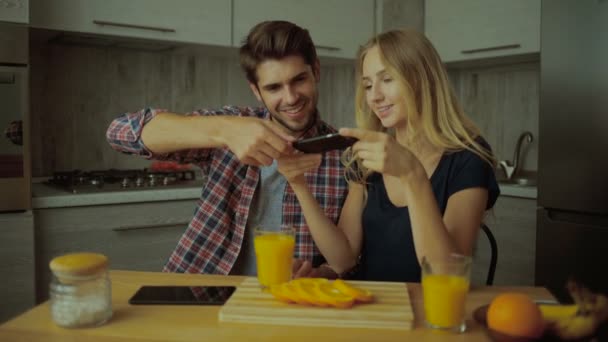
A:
x: 572, y: 216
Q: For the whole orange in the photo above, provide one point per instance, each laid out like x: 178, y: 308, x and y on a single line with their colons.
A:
x: 515, y: 314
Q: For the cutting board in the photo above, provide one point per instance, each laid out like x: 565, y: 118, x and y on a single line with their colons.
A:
x: 391, y: 308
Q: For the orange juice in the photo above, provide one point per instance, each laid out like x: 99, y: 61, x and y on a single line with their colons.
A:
x: 444, y: 298
x: 274, y: 254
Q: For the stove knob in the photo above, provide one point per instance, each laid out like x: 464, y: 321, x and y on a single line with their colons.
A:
x: 151, y: 180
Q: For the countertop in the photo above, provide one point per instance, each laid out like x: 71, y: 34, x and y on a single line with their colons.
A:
x: 196, y: 323
x: 46, y: 196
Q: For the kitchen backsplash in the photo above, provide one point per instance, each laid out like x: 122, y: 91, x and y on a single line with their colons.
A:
x: 77, y: 91
x: 503, y: 101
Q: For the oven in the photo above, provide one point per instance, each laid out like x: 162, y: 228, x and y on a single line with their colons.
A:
x: 15, y: 164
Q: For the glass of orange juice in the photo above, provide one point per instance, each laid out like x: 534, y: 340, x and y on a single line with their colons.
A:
x: 274, y: 254
x: 445, y: 283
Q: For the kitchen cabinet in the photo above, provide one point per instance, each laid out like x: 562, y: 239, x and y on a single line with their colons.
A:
x: 14, y: 11
x: 187, y: 21
x: 474, y: 29
x: 17, y: 267
x: 399, y: 14
x: 513, y: 223
x: 337, y: 27
x: 134, y: 236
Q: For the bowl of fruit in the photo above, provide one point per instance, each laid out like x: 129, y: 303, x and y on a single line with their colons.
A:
x: 515, y: 317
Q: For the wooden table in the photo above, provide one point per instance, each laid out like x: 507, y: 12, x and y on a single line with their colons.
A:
x: 200, y: 323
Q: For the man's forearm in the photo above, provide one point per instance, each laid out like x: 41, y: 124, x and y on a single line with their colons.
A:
x: 168, y: 132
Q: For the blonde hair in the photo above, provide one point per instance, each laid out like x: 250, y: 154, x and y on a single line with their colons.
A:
x: 412, y: 60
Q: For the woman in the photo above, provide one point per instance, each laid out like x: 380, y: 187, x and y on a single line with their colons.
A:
x: 420, y: 176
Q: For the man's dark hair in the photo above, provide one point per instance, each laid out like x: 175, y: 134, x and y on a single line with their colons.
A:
x: 275, y: 40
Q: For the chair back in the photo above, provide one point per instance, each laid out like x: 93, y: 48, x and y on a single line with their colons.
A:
x: 494, y: 253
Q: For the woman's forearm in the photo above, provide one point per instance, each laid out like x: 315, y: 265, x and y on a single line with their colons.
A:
x: 331, y: 240
x: 431, y: 237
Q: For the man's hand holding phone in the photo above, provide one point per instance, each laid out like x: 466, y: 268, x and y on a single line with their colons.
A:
x: 257, y: 142
x: 324, y: 143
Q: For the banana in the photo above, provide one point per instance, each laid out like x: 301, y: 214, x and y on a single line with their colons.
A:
x: 580, y: 319
x: 575, y: 327
x: 552, y: 313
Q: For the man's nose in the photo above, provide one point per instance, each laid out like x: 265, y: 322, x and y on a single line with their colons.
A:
x: 291, y: 95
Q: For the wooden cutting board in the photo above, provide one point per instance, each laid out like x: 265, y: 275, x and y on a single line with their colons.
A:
x: 391, y: 308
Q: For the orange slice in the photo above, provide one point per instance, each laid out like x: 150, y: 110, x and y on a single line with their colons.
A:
x: 305, y: 288
x: 360, y: 295
x: 330, y: 295
x: 290, y: 291
x: 279, y: 292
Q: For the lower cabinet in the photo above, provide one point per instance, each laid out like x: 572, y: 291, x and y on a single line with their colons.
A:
x: 17, y: 267
x: 134, y: 236
x: 513, y: 223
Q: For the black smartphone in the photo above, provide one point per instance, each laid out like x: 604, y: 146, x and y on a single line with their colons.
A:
x: 182, y: 295
x: 324, y: 143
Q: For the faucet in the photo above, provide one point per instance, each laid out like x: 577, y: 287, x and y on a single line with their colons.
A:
x: 511, y: 168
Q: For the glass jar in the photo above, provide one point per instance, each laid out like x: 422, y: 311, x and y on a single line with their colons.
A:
x: 81, y: 291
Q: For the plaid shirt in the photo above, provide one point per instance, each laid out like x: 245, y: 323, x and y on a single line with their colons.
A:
x: 14, y: 132
x: 214, y: 237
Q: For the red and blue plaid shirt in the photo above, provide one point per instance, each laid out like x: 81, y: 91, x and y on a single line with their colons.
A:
x: 14, y: 132
x: 214, y: 237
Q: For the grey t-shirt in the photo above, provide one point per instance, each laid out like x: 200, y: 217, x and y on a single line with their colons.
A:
x: 266, y: 211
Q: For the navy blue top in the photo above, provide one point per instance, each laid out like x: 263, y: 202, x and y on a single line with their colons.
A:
x: 388, y: 246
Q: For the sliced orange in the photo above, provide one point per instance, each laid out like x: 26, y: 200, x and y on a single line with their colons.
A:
x: 359, y: 294
x: 279, y: 292
x: 327, y: 293
x: 305, y: 288
x: 290, y: 290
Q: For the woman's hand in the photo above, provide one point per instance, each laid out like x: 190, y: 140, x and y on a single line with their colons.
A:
x: 381, y: 153
x: 293, y: 166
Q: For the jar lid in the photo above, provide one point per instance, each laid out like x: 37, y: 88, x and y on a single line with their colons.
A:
x: 78, y: 264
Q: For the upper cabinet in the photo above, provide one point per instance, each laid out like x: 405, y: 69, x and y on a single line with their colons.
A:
x: 14, y: 11
x: 337, y: 27
x: 187, y: 21
x: 473, y: 29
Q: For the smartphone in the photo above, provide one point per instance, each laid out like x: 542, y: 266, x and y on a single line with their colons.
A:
x: 182, y: 295
x: 324, y: 143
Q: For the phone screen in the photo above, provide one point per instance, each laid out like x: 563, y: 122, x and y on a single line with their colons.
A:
x: 182, y: 295
x: 324, y: 143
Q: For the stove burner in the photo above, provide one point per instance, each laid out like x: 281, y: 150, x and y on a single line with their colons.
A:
x: 78, y: 181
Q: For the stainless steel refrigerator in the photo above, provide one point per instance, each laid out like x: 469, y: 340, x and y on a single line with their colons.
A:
x: 572, y: 228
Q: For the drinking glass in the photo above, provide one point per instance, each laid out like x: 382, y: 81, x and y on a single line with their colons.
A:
x: 445, y: 284
x: 274, y: 254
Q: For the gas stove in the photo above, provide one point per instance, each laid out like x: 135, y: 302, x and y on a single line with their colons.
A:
x: 78, y: 181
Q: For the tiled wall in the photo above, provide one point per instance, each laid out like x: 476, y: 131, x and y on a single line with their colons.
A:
x: 77, y: 91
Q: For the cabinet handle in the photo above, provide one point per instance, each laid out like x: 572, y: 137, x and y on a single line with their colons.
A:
x: 328, y: 48
x: 151, y: 226
x: 493, y: 48
x: 142, y: 27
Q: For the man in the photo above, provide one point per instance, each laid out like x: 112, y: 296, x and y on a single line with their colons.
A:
x: 237, y: 148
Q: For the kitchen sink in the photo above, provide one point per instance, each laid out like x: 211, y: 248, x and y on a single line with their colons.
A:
x: 523, y: 179
x: 520, y: 181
